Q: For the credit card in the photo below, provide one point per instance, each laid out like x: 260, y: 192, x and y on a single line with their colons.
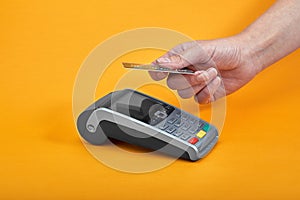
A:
x: 157, y: 68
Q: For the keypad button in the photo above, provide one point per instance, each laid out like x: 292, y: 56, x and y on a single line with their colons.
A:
x: 185, y: 136
x: 206, y: 127
x: 201, y: 134
x: 170, y: 130
x: 186, y: 126
x: 193, y: 140
x: 178, y: 123
x: 163, y: 126
x: 178, y: 114
x: 193, y: 129
x: 199, y: 124
x: 184, y: 116
x: 193, y: 120
x: 172, y: 120
x: 178, y: 133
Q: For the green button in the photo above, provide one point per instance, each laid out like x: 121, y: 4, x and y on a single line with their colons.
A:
x: 206, y: 127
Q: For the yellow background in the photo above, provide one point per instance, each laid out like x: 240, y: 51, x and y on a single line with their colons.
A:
x: 43, y: 44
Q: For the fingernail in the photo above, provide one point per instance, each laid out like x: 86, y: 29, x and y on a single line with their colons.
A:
x: 216, y: 81
x: 207, y: 101
x: 203, y: 76
x: 212, y: 71
x: 164, y: 60
x: 197, y: 73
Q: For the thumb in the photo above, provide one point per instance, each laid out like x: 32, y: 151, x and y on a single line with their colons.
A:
x: 172, y: 61
x: 194, y: 56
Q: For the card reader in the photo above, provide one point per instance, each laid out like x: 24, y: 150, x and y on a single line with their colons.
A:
x: 136, y: 118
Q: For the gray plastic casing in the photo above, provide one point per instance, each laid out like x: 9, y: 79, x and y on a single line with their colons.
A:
x: 98, y: 122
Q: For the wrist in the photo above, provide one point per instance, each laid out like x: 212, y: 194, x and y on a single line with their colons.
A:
x: 274, y: 35
x: 262, y: 47
x: 250, y: 56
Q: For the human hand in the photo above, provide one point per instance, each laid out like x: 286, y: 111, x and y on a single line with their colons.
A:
x: 221, y: 67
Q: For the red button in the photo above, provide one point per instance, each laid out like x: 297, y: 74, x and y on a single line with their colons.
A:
x: 193, y: 140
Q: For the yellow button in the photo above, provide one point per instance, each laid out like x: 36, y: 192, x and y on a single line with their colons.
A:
x: 201, y: 134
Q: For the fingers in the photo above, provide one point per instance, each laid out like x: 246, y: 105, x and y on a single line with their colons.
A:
x: 191, y: 91
x: 157, y: 76
x: 172, y: 62
x: 211, y: 92
x: 194, y: 56
x: 204, y: 84
x: 189, y: 54
x: 181, y: 82
x: 179, y: 56
x: 202, y: 87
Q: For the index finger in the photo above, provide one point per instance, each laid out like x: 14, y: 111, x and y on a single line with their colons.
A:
x: 180, y: 81
x: 157, y: 76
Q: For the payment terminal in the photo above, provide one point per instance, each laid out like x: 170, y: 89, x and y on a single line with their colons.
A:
x: 138, y: 119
